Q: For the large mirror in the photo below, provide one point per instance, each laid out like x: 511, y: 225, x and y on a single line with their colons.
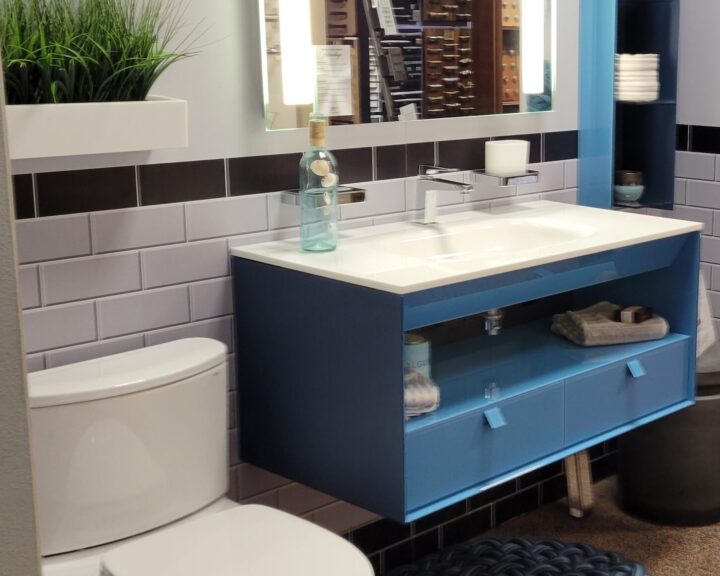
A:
x: 437, y: 59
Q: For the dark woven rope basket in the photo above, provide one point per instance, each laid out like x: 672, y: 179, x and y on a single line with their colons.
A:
x: 518, y: 557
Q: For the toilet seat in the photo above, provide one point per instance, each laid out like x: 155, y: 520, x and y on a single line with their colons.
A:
x: 249, y: 540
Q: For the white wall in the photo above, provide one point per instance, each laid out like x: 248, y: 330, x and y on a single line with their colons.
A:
x: 699, y: 63
x: 18, y: 547
x: 223, y: 85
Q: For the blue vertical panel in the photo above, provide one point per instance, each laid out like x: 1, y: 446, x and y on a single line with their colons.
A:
x: 597, y: 107
x: 645, y: 133
x: 320, y: 383
x: 673, y: 290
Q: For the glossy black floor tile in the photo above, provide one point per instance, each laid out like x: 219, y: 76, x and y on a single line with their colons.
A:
x: 517, y: 504
x: 440, y: 517
x: 541, y: 474
x: 554, y: 489
x: 492, y: 494
x: 411, y: 551
x: 605, y: 467
x: 467, y: 527
x: 379, y: 535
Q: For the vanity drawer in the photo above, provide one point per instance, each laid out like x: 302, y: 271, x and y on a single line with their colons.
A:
x: 457, y: 454
x: 613, y: 396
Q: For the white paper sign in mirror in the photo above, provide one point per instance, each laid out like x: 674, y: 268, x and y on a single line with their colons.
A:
x: 438, y: 59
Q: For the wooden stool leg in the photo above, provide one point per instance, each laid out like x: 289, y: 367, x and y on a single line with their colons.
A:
x: 579, y: 483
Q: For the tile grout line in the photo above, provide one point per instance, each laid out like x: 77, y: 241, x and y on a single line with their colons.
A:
x: 36, y: 200
x: 138, y: 187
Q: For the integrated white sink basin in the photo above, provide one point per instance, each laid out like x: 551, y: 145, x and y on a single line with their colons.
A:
x: 500, y: 238
x: 407, y: 257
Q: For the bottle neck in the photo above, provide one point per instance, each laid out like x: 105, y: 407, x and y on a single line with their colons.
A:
x: 317, y: 133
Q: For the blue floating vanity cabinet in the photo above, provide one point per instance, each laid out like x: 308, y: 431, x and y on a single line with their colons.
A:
x: 320, y: 375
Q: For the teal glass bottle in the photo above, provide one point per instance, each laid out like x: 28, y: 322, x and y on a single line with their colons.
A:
x: 318, y: 192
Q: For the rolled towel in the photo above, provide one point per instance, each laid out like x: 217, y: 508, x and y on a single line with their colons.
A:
x: 422, y: 395
x: 594, y: 326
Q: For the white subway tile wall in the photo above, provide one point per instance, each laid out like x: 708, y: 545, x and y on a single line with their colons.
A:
x: 29, y: 287
x: 695, y: 165
x: 115, y: 230
x: 142, y: 276
x: 697, y: 198
x: 90, y: 277
x: 53, y: 238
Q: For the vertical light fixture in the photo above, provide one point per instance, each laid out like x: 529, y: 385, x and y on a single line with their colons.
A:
x: 297, y: 53
x: 532, y: 46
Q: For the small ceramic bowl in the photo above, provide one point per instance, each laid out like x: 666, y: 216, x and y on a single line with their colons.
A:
x: 629, y: 177
x: 631, y: 193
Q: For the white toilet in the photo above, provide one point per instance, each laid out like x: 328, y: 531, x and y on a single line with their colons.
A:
x: 130, y: 461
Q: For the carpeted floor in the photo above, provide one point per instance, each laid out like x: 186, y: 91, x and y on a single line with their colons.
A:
x: 664, y: 550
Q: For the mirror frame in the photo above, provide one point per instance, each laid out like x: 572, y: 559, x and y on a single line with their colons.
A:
x: 564, y: 115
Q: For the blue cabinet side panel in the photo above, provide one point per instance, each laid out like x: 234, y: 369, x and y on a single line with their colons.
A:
x: 320, y: 385
x: 596, y: 100
x: 467, y: 298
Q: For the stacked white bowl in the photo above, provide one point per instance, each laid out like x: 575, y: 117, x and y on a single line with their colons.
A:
x: 636, y: 77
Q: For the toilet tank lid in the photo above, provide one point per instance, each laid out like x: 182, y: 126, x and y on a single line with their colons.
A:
x: 124, y: 373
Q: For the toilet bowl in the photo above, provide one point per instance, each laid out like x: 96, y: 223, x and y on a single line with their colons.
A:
x: 130, y: 459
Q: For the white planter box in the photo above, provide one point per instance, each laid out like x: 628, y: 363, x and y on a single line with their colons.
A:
x: 48, y: 130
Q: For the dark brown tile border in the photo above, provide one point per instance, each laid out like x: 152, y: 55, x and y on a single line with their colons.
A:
x: 86, y: 190
x: 355, y: 165
x: 560, y: 146
x: 390, y: 162
x: 181, y: 182
x: 108, y: 188
x: 462, y: 154
x: 258, y: 174
x: 24, y: 196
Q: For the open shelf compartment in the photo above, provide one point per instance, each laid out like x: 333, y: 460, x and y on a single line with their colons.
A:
x: 476, y: 373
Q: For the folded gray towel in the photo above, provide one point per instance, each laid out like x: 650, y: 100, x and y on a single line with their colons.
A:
x: 594, y: 326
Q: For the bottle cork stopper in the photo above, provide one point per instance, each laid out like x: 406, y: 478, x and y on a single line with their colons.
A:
x: 317, y: 132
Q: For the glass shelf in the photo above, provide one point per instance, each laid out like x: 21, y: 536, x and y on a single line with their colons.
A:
x: 642, y: 205
x: 661, y: 102
x: 476, y: 372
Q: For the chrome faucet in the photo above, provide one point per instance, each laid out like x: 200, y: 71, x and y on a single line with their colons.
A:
x: 429, y: 182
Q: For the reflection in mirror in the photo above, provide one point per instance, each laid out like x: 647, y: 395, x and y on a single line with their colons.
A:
x: 438, y: 59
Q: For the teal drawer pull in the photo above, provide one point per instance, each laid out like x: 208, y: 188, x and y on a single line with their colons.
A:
x: 495, y: 418
x: 637, y: 370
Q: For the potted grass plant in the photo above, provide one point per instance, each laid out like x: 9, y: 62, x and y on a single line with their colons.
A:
x: 78, y: 75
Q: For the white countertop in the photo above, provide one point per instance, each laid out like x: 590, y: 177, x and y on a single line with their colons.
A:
x: 407, y: 257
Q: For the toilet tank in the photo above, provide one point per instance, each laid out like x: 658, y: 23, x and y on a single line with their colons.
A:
x: 126, y: 443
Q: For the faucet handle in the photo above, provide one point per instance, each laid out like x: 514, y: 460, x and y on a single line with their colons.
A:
x: 429, y: 170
